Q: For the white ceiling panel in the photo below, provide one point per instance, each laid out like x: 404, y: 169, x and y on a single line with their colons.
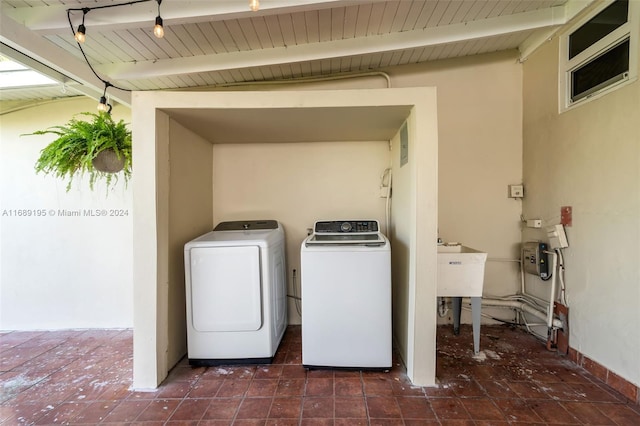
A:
x: 350, y: 123
x: 220, y: 42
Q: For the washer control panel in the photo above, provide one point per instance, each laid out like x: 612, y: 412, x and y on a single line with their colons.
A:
x: 346, y: 226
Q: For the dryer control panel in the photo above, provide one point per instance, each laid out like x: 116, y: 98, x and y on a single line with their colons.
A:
x: 346, y: 226
x: 247, y: 225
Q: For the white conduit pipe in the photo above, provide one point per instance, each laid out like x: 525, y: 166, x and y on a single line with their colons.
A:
x: 310, y: 79
x: 552, y: 295
x: 518, y: 305
x: 522, y: 272
x: 387, y: 210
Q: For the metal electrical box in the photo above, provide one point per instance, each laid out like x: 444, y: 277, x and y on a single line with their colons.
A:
x: 535, y: 259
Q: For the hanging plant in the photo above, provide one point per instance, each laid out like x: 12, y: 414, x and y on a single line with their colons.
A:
x: 101, y: 148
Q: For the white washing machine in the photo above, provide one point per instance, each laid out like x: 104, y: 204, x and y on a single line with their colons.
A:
x: 235, y: 278
x: 346, y: 296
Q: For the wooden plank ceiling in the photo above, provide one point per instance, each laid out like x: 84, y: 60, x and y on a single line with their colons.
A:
x: 216, y: 43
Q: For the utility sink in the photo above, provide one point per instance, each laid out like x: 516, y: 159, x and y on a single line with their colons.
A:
x: 460, y: 271
x: 461, y: 274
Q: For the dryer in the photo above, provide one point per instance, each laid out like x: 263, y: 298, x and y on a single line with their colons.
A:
x: 346, y: 296
x: 235, y: 282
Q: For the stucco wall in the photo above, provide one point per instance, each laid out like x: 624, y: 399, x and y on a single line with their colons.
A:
x: 66, y: 257
x: 190, y: 215
x: 589, y: 158
x: 479, y: 155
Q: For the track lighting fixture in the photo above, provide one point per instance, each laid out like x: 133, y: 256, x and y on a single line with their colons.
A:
x: 158, y: 30
x: 80, y: 35
x: 254, y: 5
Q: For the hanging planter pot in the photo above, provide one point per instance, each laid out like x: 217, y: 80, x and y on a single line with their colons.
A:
x: 108, y: 161
x: 101, y: 148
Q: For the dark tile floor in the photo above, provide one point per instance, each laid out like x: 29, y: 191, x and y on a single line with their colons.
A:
x: 83, y: 377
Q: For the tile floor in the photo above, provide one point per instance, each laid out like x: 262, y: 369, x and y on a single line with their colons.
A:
x: 83, y: 377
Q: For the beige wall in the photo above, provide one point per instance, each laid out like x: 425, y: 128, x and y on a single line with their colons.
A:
x: 589, y: 158
x: 401, y: 246
x: 150, y: 244
x: 59, y: 271
x: 414, y: 228
x: 297, y: 184
x: 190, y: 215
x: 173, y: 202
x: 479, y: 155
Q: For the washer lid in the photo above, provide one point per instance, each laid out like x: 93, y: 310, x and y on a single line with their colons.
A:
x: 246, y: 225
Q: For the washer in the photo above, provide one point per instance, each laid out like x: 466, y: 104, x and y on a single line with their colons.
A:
x: 236, y: 293
x: 346, y: 296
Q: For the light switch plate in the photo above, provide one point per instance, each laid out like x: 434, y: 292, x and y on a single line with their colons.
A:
x: 516, y: 191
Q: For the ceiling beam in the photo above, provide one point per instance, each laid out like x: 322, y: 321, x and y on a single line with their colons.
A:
x: 49, y: 20
x: 490, y: 27
x: 28, y: 43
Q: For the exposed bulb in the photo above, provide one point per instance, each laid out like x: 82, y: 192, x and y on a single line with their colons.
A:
x: 158, y: 30
x: 254, y: 5
x: 80, y: 34
x: 102, y: 106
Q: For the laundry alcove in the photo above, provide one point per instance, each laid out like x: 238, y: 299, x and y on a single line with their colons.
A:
x: 178, y: 136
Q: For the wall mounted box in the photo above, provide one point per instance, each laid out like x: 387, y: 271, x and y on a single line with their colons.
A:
x: 535, y: 259
x: 534, y: 223
x: 516, y: 191
x: 557, y: 237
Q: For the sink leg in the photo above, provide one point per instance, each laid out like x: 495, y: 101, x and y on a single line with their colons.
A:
x: 476, y: 308
x: 457, y: 309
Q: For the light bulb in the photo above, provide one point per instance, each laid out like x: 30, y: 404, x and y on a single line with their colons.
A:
x: 80, y: 34
x: 254, y: 5
x: 102, y: 106
x: 158, y: 30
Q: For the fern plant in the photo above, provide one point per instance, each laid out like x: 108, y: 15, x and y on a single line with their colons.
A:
x: 78, y: 144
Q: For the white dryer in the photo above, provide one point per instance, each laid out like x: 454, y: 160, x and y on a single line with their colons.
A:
x: 346, y: 296
x: 235, y: 279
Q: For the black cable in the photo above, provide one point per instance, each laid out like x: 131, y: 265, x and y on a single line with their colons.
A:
x: 515, y: 324
x: 497, y: 319
x: 106, y: 6
x: 86, y: 10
